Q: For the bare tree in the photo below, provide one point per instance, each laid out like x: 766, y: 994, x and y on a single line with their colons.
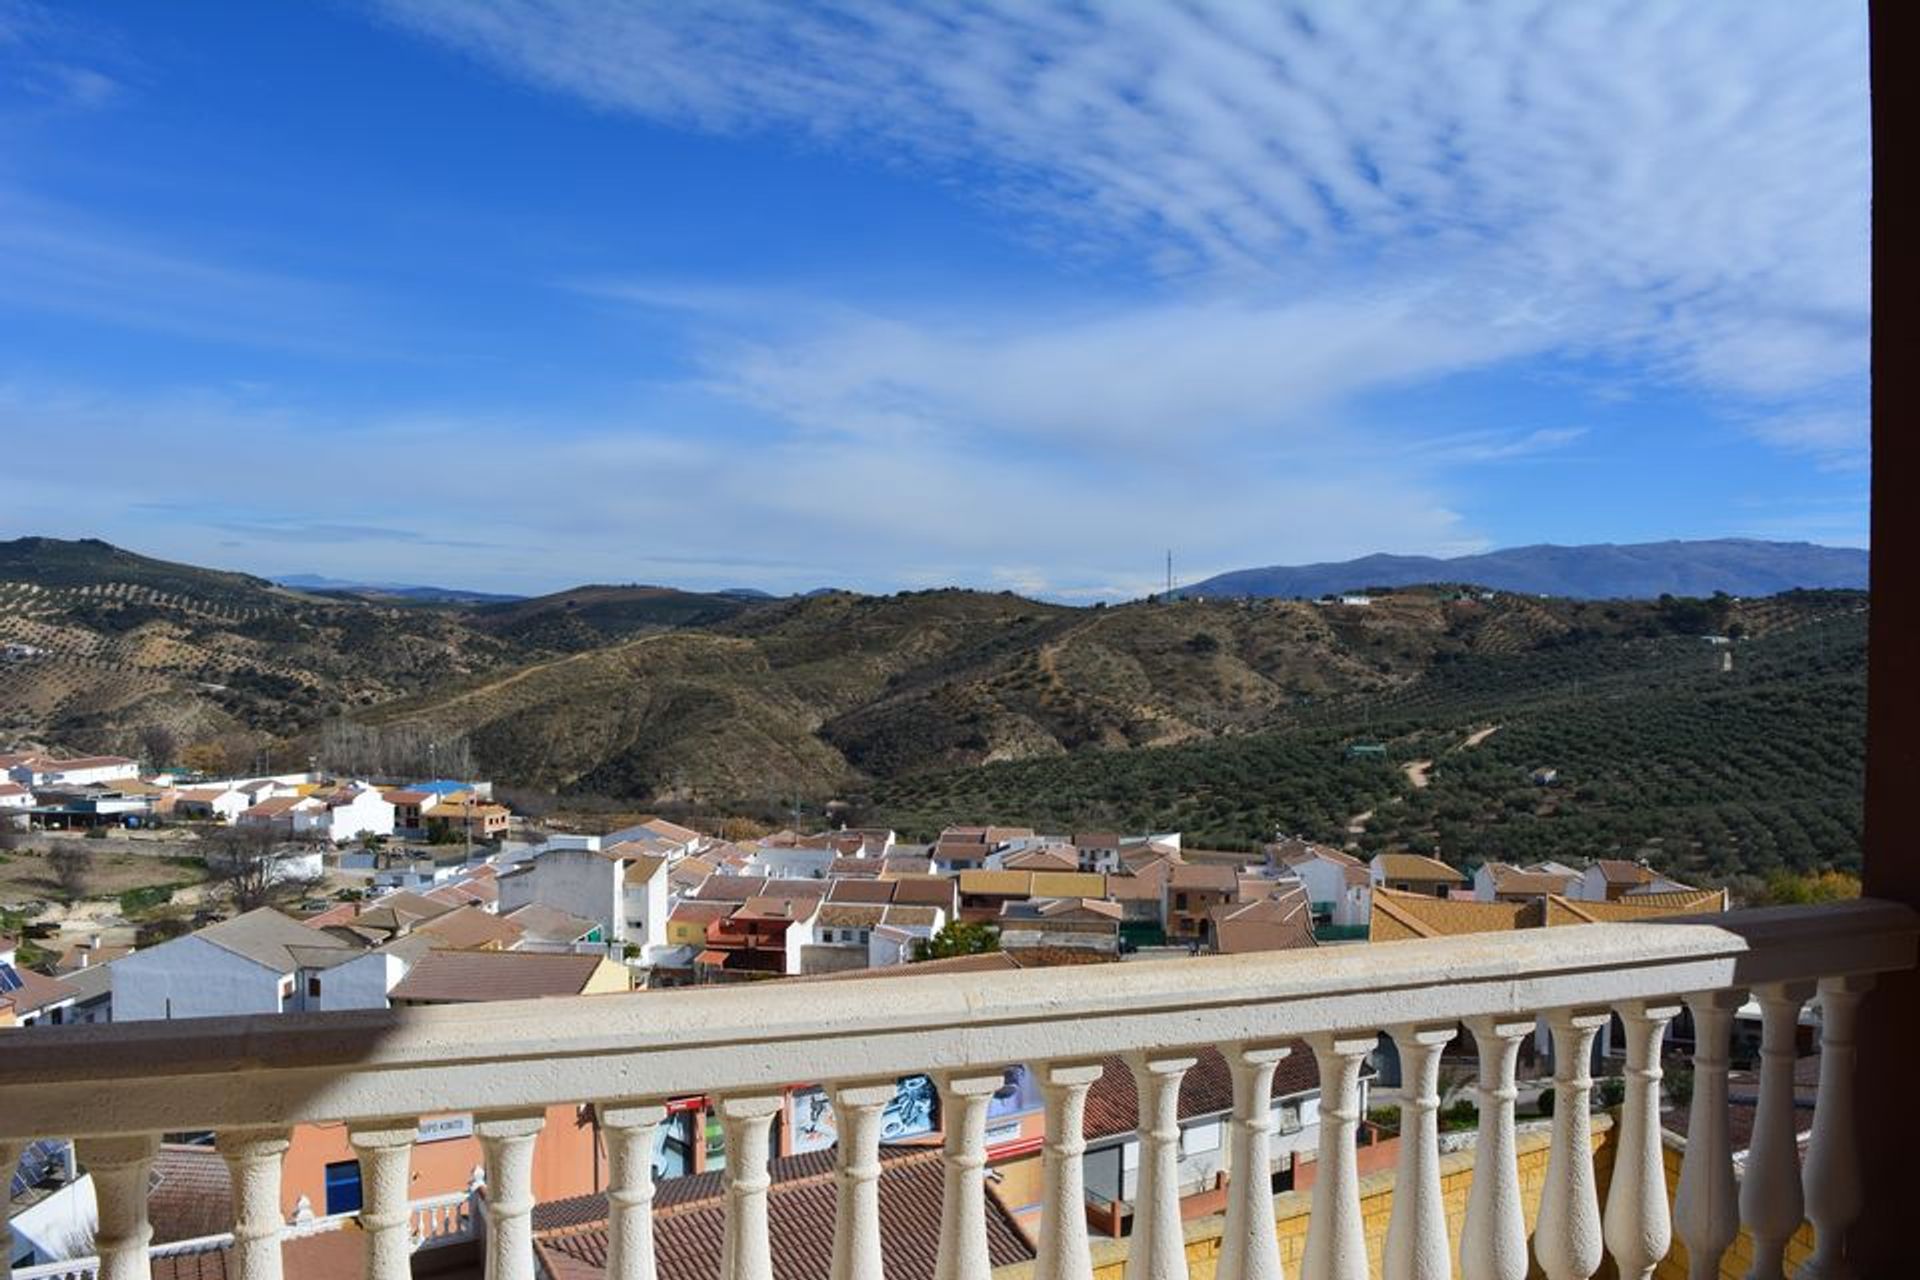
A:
x: 159, y: 743
x: 253, y: 865
x: 72, y: 865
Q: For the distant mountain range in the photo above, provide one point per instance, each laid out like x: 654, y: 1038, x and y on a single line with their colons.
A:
x: 390, y: 590
x: 1603, y: 571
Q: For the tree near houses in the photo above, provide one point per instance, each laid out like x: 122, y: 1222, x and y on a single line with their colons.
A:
x: 72, y: 866
x: 159, y: 743
x: 255, y: 866
x: 958, y: 938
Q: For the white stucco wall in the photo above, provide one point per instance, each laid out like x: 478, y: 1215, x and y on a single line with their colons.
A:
x: 191, y: 978
x: 369, y: 812
x: 360, y: 983
x: 577, y: 881
x: 646, y: 907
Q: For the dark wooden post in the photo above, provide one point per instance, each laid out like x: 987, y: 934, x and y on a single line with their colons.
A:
x: 1889, y: 1126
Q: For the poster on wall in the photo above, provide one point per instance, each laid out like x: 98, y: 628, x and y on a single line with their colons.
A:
x: 1019, y: 1093
x: 913, y: 1111
x: 813, y: 1127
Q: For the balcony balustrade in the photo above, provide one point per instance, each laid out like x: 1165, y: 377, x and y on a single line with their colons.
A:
x: 116, y: 1088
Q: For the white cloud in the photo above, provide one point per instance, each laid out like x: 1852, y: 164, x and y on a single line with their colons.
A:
x: 629, y: 501
x: 1683, y: 183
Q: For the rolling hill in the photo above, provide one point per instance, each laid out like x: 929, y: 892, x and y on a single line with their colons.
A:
x: 1226, y: 718
x: 1638, y: 571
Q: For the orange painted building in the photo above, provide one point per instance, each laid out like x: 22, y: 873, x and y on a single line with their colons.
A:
x: 322, y: 1167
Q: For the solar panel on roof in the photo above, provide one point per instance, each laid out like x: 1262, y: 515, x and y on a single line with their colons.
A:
x: 9, y: 979
x: 37, y: 1163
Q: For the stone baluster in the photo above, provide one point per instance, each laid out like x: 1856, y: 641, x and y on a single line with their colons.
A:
x: 857, y: 1113
x: 1249, y: 1246
x: 746, y: 1250
x: 1416, y: 1247
x: 1770, y: 1203
x: 1336, y: 1232
x: 1566, y: 1236
x: 120, y: 1167
x: 1706, y: 1206
x: 1493, y: 1235
x: 630, y: 1128
x: 253, y: 1167
x: 506, y: 1144
x: 964, y: 1097
x: 1832, y: 1183
x: 1158, y: 1250
x: 385, y: 1149
x: 1638, y: 1226
x: 1062, y: 1252
x: 10, y: 1153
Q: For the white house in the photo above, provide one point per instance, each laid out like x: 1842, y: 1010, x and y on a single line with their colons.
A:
x: 355, y: 810
x: 220, y: 804
x: 39, y: 771
x: 1337, y: 884
x: 789, y: 863
x: 591, y: 883
x: 645, y: 891
x: 681, y: 840
x: 260, y: 962
x: 15, y: 800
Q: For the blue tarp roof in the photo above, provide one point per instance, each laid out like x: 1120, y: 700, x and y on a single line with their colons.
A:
x: 441, y: 786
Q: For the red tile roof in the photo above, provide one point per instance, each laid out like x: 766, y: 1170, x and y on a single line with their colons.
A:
x: 469, y: 976
x: 688, y: 1224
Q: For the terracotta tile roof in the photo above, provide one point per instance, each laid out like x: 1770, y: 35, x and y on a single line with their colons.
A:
x: 1043, y: 859
x: 783, y: 908
x: 190, y: 1193
x: 730, y: 888
x: 1068, y: 884
x: 1648, y: 906
x: 13, y: 789
x: 1096, y: 839
x: 851, y: 915
x: 37, y: 991
x: 1134, y: 888
x: 1281, y: 923
x: 1397, y: 915
x: 912, y: 917
x: 1208, y: 879
x: 404, y: 797
x: 1620, y: 871
x: 924, y: 891
x: 853, y: 868
x: 81, y: 956
x: 414, y: 904
x: 1297, y: 851
x: 1003, y: 883
x: 669, y: 830
x: 1113, y: 1101
x: 870, y: 891
x: 471, y: 927
x: 688, y: 1226
x: 644, y: 868
x: 963, y: 835
x: 468, y: 976
x: 700, y: 911
x: 1414, y: 866
x: 325, y: 1255
x: 1536, y: 883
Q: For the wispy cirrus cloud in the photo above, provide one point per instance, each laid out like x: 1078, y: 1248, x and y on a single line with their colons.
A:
x: 1685, y: 185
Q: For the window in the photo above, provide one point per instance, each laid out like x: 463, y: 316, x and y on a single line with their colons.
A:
x: 313, y: 988
x: 343, y: 1187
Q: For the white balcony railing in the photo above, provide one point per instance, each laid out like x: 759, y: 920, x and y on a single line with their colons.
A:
x: 116, y: 1088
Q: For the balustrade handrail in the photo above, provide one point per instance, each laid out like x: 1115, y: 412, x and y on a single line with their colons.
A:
x: 279, y: 1069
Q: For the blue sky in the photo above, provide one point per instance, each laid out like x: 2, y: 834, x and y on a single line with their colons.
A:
x: 515, y: 294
